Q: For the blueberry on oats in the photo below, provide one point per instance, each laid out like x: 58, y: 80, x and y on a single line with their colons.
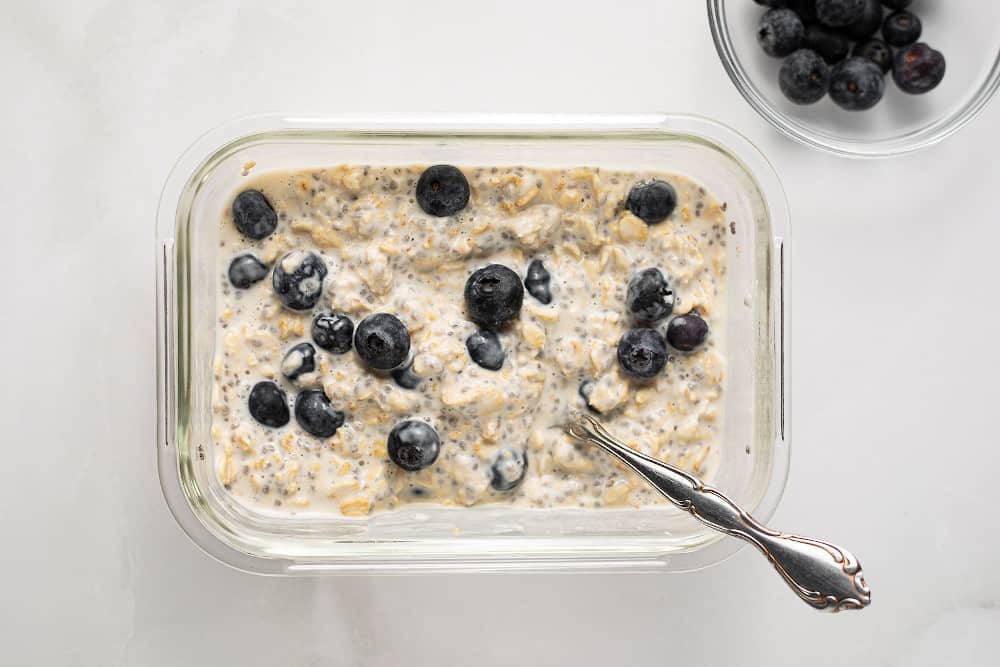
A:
x: 442, y: 190
x: 298, y: 361
x: 382, y: 341
x: 298, y: 279
x: 413, y: 445
x: 508, y: 468
x: 649, y: 297
x: 253, y: 214
x: 268, y: 404
x: 315, y: 415
x: 245, y: 270
x: 493, y: 295
x: 485, y: 349
x: 686, y: 332
x: 333, y: 333
x: 642, y: 352
x: 652, y: 201
x: 537, y: 280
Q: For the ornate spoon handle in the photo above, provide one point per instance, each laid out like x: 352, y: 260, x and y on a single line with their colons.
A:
x: 824, y: 575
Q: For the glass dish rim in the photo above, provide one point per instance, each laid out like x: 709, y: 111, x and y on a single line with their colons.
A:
x: 910, y: 142
x: 190, y: 167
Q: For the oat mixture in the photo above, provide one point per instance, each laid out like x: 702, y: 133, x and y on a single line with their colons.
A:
x: 342, y: 244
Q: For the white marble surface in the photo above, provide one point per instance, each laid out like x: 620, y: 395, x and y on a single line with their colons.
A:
x: 895, y: 328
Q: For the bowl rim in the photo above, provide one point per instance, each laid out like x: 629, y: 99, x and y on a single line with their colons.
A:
x: 916, y: 140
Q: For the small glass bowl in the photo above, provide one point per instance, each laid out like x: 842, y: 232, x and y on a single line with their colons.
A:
x: 967, y: 32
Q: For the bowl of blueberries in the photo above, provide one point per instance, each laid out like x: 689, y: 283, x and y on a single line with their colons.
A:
x: 861, y: 78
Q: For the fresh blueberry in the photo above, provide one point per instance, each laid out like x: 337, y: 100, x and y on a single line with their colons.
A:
x: 586, y: 387
x: 652, y: 201
x: 870, y: 20
x: 405, y: 377
x: 686, y: 332
x: 839, y: 13
x: 333, y: 333
x: 856, y: 84
x: 298, y: 279
x: 536, y: 281
x: 827, y: 42
x: 413, y: 444
x: 508, y: 468
x: 382, y: 341
x: 918, y: 68
x: 806, y: 9
x: 442, y: 190
x: 253, y: 214
x: 642, y: 352
x: 485, y: 349
x: 299, y: 360
x: 245, y: 270
x: 876, y: 51
x: 649, y: 297
x: 779, y: 32
x: 493, y: 295
x: 268, y: 404
x: 804, y: 77
x: 897, y: 4
x: 901, y: 28
x: 315, y: 415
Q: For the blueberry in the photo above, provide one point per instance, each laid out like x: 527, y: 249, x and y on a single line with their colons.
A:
x: 253, y: 214
x: 642, y: 352
x: 839, y: 13
x: 804, y: 77
x: 779, y: 32
x: 442, y: 190
x: 299, y: 360
x: 652, y: 201
x: 508, y: 468
x: 649, y: 297
x: 298, y: 279
x: 876, y: 51
x: 536, y: 281
x: 871, y: 19
x: 245, y: 270
x: 485, y: 349
x: 897, y: 4
x: 268, y: 404
x: 382, y: 341
x: 901, y: 28
x: 586, y: 387
x: 856, y: 84
x: 493, y: 295
x: 806, y: 9
x: 405, y: 377
x: 686, y: 332
x: 315, y: 415
x: 918, y: 68
x: 333, y: 333
x: 413, y: 444
x: 827, y: 42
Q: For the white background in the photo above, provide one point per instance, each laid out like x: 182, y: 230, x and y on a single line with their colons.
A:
x: 895, y: 326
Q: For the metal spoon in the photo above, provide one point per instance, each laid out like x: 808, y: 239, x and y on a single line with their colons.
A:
x: 823, y: 575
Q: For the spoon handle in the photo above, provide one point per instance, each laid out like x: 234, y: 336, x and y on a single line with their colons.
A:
x: 823, y: 575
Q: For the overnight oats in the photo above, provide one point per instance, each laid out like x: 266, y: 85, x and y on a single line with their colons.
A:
x: 397, y: 335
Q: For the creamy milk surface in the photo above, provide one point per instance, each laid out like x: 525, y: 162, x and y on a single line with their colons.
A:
x: 384, y: 254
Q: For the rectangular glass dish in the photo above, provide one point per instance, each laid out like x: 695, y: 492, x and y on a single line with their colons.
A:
x: 753, y: 456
